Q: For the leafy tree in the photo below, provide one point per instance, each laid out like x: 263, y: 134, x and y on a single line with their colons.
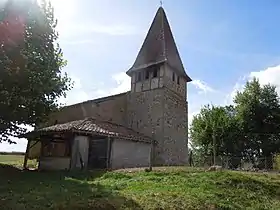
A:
x: 31, y: 62
x: 215, y: 131
x: 258, y: 109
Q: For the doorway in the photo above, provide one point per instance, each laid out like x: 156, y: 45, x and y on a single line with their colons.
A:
x: 98, y: 153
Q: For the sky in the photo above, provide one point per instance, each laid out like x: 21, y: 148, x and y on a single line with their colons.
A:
x: 222, y: 44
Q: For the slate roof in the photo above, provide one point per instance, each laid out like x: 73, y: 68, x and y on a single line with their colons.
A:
x: 159, y: 47
x: 95, y: 127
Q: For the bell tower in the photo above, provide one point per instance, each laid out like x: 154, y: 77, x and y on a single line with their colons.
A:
x: 157, y: 103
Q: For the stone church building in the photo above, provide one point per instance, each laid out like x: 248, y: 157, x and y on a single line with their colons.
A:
x: 149, y: 122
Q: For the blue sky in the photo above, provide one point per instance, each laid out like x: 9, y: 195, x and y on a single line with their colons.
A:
x: 222, y: 44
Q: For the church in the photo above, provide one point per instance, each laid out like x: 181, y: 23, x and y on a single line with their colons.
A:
x: 148, y: 124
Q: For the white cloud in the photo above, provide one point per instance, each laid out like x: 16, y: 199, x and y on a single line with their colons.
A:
x: 202, y: 86
x: 269, y: 75
x: 123, y: 83
x: 239, y: 85
x: 76, y: 94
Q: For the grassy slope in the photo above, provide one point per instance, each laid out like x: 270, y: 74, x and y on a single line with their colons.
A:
x: 169, y: 188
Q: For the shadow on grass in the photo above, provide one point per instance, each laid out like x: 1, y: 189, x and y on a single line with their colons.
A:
x: 57, y: 190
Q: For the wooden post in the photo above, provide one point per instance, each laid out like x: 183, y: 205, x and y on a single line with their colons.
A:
x: 26, y: 155
x: 109, y: 152
x: 71, y: 142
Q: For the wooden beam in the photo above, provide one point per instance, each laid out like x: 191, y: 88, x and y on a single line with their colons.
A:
x: 71, y: 139
x: 109, y: 147
x: 34, y: 144
x: 26, y: 155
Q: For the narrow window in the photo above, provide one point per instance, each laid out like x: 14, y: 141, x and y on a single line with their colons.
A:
x: 147, y: 73
x: 178, y: 80
x: 173, y: 76
x: 155, y: 72
x: 138, y: 77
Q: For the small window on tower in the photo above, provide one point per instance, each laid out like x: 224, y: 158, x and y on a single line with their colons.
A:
x: 155, y: 72
x: 138, y: 77
x: 173, y: 76
x: 178, y: 80
x: 147, y: 74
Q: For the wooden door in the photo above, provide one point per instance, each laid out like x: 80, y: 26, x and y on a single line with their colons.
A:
x: 98, y: 153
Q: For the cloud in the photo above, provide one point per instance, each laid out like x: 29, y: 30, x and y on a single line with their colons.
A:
x: 202, y: 86
x: 120, y: 83
x: 269, y: 75
x: 76, y: 94
x: 123, y: 83
x: 239, y: 86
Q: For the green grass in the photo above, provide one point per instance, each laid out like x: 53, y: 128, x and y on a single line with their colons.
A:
x: 16, y: 160
x: 165, y: 188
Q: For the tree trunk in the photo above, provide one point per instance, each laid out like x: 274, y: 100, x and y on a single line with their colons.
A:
x: 214, y: 149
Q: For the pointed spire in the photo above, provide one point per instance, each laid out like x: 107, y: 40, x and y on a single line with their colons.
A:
x: 159, y: 47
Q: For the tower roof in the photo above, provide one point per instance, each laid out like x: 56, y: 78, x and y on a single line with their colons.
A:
x: 159, y: 47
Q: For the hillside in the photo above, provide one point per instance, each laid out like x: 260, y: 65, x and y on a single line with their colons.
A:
x: 164, y: 188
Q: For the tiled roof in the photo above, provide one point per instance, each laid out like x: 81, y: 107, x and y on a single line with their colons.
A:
x: 95, y: 127
x: 159, y: 47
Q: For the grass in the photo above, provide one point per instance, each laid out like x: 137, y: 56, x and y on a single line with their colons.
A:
x: 164, y: 188
x: 16, y: 160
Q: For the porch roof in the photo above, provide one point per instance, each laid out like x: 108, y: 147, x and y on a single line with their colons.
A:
x: 93, y: 127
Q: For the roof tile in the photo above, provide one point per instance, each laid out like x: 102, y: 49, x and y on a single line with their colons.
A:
x: 96, y: 127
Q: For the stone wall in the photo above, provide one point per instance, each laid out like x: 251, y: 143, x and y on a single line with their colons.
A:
x: 112, y: 108
x: 161, y: 113
x: 145, y: 112
x: 175, y: 150
x: 128, y: 154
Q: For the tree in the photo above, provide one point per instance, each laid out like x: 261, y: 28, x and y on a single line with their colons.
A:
x: 258, y: 109
x: 31, y: 62
x: 215, y: 131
